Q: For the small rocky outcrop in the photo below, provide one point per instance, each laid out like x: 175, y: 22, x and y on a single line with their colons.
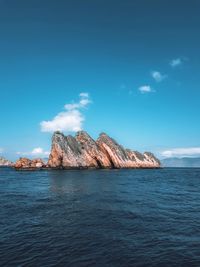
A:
x: 25, y: 163
x: 5, y: 162
x: 82, y: 151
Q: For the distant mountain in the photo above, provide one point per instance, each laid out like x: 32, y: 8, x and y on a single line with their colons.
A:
x: 181, y: 162
x: 5, y: 162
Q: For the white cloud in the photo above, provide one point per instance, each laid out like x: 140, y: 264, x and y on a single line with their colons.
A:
x: 145, y: 89
x: 157, y: 76
x: 181, y: 152
x: 176, y: 62
x: 84, y: 102
x: 39, y: 151
x: 84, y: 95
x: 70, y: 120
x: 36, y: 152
x: 1, y: 150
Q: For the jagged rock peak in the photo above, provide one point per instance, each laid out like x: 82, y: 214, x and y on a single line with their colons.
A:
x: 83, y: 137
x: 116, y: 152
x: 82, y: 151
x: 103, y: 134
x: 83, y: 133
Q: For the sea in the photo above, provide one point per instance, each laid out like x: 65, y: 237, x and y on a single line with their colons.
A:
x: 139, y: 218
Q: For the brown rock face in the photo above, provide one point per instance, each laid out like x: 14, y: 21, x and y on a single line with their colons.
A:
x: 92, y: 151
x: 24, y: 163
x: 82, y: 151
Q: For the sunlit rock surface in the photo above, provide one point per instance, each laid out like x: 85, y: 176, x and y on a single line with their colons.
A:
x: 82, y: 151
x: 25, y: 163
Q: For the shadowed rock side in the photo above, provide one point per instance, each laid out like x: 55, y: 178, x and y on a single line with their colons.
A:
x: 82, y: 151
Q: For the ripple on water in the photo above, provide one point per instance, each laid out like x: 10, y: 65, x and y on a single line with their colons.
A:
x: 100, y: 218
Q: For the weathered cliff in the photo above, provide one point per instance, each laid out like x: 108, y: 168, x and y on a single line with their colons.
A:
x: 82, y: 151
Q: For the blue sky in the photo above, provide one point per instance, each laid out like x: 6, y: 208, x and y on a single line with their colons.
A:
x: 137, y: 63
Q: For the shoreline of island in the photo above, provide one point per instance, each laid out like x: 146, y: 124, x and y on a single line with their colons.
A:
x: 81, y: 152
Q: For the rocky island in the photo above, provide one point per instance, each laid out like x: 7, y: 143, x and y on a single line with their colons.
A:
x: 82, y: 152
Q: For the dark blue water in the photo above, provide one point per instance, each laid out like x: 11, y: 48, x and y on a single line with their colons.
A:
x: 100, y: 218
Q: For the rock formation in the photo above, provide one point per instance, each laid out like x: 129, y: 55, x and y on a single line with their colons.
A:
x: 82, y: 151
x: 5, y: 162
x: 24, y: 163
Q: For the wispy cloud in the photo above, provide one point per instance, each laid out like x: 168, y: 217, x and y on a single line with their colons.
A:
x: 181, y: 152
x: 1, y: 150
x: 36, y: 152
x: 157, y: 76
x: 145, y: 89
x: 70, y: 120
x: 176, y: 62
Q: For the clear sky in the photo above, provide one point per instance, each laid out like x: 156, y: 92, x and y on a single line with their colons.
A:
x: 135, y: 63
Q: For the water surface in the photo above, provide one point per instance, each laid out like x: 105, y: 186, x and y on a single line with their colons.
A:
x: 100, y: 218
